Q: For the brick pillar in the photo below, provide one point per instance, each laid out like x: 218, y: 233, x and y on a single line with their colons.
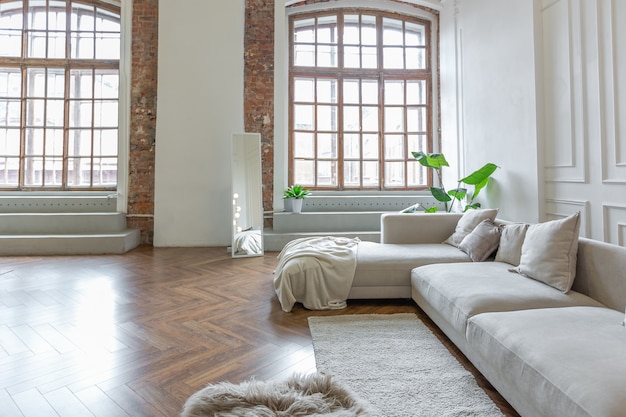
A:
x: 143, y: 118
x: 259, y: 86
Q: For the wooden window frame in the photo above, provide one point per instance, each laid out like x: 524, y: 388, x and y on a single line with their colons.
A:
x: 339, y: 74
x: 23, y: 64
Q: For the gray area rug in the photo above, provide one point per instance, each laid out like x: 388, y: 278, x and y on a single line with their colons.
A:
x: 300, y: 395
x: 397, y: 364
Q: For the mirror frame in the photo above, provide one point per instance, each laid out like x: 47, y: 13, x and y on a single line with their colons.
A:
x: 246, y: 194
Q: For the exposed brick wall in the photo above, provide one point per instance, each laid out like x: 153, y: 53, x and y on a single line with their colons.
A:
x: 259, y: 86
x: 143, y: 108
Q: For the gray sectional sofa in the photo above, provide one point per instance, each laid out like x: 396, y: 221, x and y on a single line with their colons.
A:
x: 551, y: 346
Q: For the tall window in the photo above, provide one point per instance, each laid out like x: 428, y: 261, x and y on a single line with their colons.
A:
x: 59, y: 83
x: 360, y: 100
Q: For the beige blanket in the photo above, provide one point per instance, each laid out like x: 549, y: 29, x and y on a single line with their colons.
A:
x: 316, y: 271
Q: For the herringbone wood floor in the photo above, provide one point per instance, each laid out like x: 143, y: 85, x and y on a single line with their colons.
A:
x: 137, y: 334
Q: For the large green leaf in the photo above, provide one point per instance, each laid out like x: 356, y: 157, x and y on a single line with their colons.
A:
x: 432, y: 209
x: 479, y: 187
x: 480, y: 175
x: 458, y: 193
x: 430, y: 160
x: 440, y: 194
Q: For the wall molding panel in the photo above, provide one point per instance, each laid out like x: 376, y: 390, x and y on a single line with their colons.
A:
x: 612, y: 89
x: 614, y: 221
x: 564, y: 92
x: 559, y: 209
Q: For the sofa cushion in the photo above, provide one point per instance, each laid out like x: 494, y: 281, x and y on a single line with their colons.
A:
x: 565, y: 361
x: 467, y: 223
x: 511, y: 242
x: 482, y: 241
x: 380, y: 265
x: 549, y: 252
x: 460, y: 291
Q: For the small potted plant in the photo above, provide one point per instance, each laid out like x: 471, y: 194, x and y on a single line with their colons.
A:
x: 295, y: 194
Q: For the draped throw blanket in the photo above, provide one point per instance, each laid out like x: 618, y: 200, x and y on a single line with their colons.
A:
x: 316, y: 271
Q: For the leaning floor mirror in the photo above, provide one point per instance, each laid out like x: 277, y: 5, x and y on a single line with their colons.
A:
x: 247, y: 225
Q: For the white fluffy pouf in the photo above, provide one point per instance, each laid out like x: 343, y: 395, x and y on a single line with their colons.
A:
x: 313, y: 394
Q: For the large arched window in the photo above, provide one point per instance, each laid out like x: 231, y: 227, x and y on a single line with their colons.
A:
x: 360, y: 100
x: 59, y: 94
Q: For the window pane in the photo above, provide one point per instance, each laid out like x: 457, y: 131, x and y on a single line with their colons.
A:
x: 105, y: 113
x: 82, y: 45
x: 303, y: 118
x: 9, y: 168
x: 394, y: 119
x: 370, y: 174
x: 370, y: 119
x: 352, y: 57
x: 303, y: 89
x: 416, y: 119
x: 369, y: 58
x: 416, y: 92
x: 326, y: 173
x: 393, y: 58
x: 34, y: 141
x: 351, y: 121
x: 370, y: 146
x: 54, y: 142
x: 304, y: 55
x: 327, y: 29
x: 368, y: 30
x: 370, y: 92
x: 351, y: 92
x: 304, y: 172
x: 304, y: 30
x: 9, y: 142
x: 54, y: 113
x: 327, y: 118
x: 303, y: 145
x: 352, y: 146
x: 79, y: 143
x: 326, y: 56
x: 327, y: 146
x: 394, y: 92
x: 326, y: 91
x: 392, y: 32
x: 9, y: 112
x: 10, y: 42
x: 105, y: 142
x: 351, y: 29
x: 56, y: 83
x: 35, y: 112
x: 415, y: 34
x: 394, y: 174
x: 352, y: 173
x: 108, y: 46
x: 415, y: 58
x: 36, y: 44
x: 83, y: 17
x: 104, y: 171
x: 394, y: 147
x: 416, y: 174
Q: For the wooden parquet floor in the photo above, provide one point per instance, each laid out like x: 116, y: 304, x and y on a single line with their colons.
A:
x: 136, y: 334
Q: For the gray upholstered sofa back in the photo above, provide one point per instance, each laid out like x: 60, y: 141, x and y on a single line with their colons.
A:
x: 601, y: 272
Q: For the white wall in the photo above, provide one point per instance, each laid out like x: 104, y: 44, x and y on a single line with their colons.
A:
x: 200, y: 105
x: 584, y: 73
x: 488, y: 99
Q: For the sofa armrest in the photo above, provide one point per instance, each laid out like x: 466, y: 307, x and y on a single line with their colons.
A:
x: 417, y: 227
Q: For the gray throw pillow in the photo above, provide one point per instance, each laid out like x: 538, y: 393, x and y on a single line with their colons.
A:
x: 550, y: 251
x: 468, y: 222
x: 511, y: 242
x: 482, y: 241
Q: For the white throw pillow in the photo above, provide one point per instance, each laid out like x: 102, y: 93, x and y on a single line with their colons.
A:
x: 482, y: 241
x: 549, y: 252
x: 511, y: 242
x: 467, y: 223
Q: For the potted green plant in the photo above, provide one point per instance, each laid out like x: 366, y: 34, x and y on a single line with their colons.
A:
x: 295, y: 194
x: 478, y: 179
